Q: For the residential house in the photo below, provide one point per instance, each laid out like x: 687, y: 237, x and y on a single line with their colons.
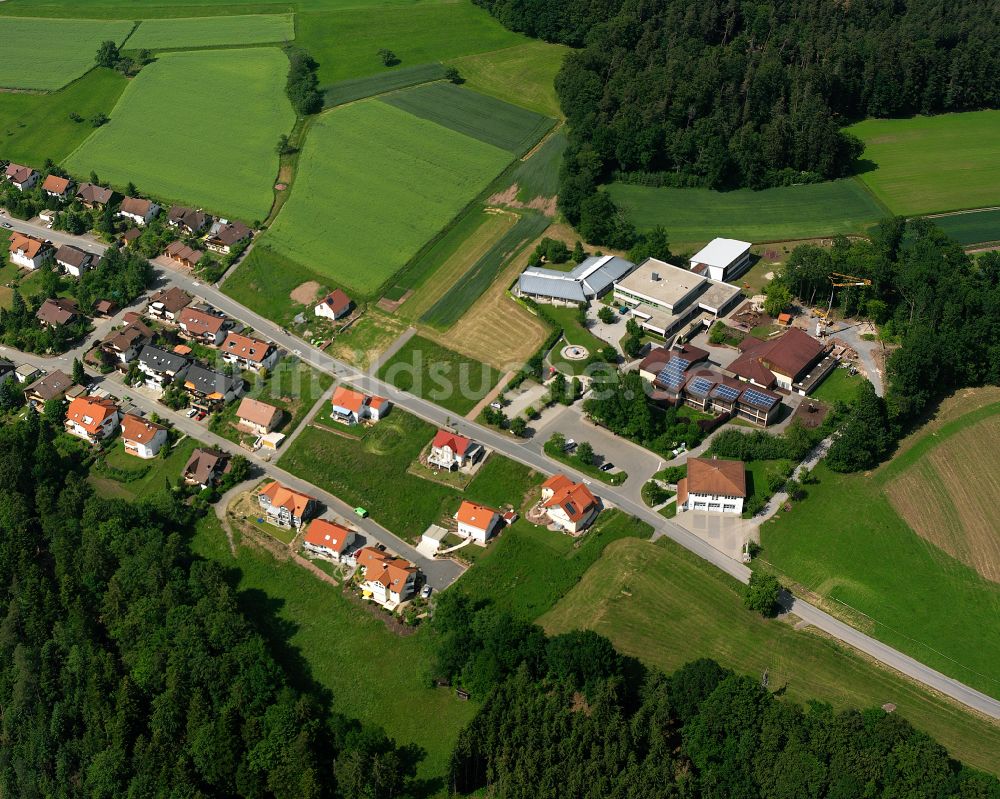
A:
x: 205, y: 467
x: 327, y: 539
x: 258, y: 417
x: 570, y: 506
x: 57, y: 312
x: 452, y: 451
x: 138, y: 210
x: 722, y: 259
x: 477, y: 522
x: 167, y: 304
x: 93, y: 196
x: 209, y: 388
x: 160, y: 367
x: 180, y: 253
x: 224, y: 236
x: 27, y: 251
x: 713, y: 485
x: 248, y: 353
x: 125, y: 344
x: 792, y: 361
x: 388, y: 580
x: 51, y: 387
x: 27, y: 374
x: 199, y: 325
x: 73, y: 260
x: 21, y: 177
x: 284, y: 506
x: 58, y: 187
x: 92, y: 418
x: 334, y: 305
x: 143, y: 438
x: 351, y: 407
x: 190, y: 220
x: 130, y: 235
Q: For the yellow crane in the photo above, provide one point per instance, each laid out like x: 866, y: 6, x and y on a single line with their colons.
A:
x: 837, y: 281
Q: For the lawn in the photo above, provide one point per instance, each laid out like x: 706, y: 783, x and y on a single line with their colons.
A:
x: 975, y: 227
x: 693, y: 217
x: 193, y: 32
x: 264, y: 282
x: 566, y: 317
x: 364, y: 341
x: 847, y: 544
x: 480, y: 116
x: 524, y: 75
x: 445, y: 377
x: 47, y: 54
x: 667, y: 607
x: 146, y: 476
x: 347, y: 91
x: 937, y: 163
x: 374, y: 184
x: 168, y: 122
x: 840, y: 385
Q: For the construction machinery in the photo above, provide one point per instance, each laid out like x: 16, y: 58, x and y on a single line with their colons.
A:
x: 837, y: 281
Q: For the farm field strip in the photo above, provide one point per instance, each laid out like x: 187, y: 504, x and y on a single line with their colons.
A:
x: 192, y: 32
x: 46, y: 54
x: 167, y: 121
x: 347, y: 91
x: 971, y: 227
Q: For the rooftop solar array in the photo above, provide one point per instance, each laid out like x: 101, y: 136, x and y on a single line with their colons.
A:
x: 672, y: 375
x: 757, y: 398
x: 727, y: 393
x: 700, y: 385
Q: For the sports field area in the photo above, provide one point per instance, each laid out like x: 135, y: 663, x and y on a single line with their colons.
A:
x: 973, y: 227
x: 192, y: 32
x: 862, y: 544
x: 374, y: 184
x: 694, y: 216
x: 929, y: 164
x: 47, y: 54
x: 199, y: 128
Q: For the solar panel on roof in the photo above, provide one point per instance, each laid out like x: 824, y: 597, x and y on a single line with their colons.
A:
x: 673, y: 373
x: 728, y: 393
x: 701, y: 385
x: 757, y: 398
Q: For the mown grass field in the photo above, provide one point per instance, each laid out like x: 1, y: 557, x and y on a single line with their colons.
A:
x: 364, y: 341
x: 374, y: 183
x: 840, y: 385
x: 480, y: 116
x: 663, y: 605
x: 264, y: 282
x: 347, y: 91
x: 433, y: 372
x: 692, y: 217
x: 34, y: 127
x: 938, y: 163
x: 848, y: 545
x: 179, y: 147
x: 47, y: 54
x: 192, y: 32
x: 971, y: 228
x: 145, y: 476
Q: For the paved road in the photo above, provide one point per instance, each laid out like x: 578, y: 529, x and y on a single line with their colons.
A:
x: 513, y: 448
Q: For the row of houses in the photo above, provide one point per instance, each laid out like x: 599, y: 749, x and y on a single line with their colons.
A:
x: 31, y: 253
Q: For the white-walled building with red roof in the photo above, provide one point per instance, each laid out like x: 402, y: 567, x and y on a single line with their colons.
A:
x: 570, y: 506
x: 451, y: 451
x: 328, y: 539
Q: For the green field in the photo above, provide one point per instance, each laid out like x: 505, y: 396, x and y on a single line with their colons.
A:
x: 430, y: 371
x: 839, y: 386
x: 374, y: 183
x: 977, y: 227
x: 182, y: 142
x: 477, y: 115
x: 347, y: 91
x: 35, y: 127
x: 264, y: 282
x: 145, y: 475
x: 192, y: 32
x: 539, y: 175
x: 47, y: 54
x: 667, y: 607
x: 927, y: 164
x: 693, y: 217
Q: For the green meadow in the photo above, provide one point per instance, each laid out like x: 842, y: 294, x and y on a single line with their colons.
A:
x: 972, y: 227
x: 347, y: 91
x: 192, y: 32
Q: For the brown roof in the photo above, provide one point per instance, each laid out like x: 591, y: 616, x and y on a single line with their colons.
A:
x: 92, y: 193
x: 131, y: 234
x: 136, y: 205
x: 232, y: 233
x: 187, y: 217
x: 655, y: 360
x: 142, y: 431
x: 56, y: 184
x: 257, y: 412
x: 58, y: 311
x: 104, y: 306
x: 716, y: 477
x: 173, y: 299
x: 180, y: 251
x: 196, y: 321
x: 337, y: 301
x: 790, y: 354
x: 52, y: 386
x: 18, y: 173
x: 74, y: 256
x: 131, y: 334
x: 203, y: 463
x: 250, y: 349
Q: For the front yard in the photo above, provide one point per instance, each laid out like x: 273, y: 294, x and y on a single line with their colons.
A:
x: 118, y: 474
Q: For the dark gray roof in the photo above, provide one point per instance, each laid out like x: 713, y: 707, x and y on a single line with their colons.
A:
x: 591, y: 278
x: 160, y: 360
x: 207, y: 381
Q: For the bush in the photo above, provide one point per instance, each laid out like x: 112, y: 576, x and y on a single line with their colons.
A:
x: 762, y: 593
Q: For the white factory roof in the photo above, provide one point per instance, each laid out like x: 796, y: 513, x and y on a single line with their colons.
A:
x: 720, y: 252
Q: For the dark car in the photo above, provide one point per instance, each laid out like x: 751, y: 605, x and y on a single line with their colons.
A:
x: 607, y: 467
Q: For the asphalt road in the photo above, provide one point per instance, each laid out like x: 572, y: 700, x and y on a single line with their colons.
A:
x: 443, y: 572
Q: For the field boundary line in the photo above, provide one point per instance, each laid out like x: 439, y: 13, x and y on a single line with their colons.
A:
x: 939, y: 215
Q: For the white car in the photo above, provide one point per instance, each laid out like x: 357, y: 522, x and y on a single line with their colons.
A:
x: 425, y: 592
x: 191, y: 412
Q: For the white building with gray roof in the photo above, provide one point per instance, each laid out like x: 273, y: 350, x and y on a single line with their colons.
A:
x: 591, y: 279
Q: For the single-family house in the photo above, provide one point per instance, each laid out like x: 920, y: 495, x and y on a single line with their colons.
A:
x: 124, y: 344
x: 93, y: 196
x: 190, y: 220
x: 388, y: 580
x: 139, y: 210
x: 202, y: 326
x: 713, y: 485
x: 452, y: 451
x: 327, y: 539
x: 334, y: 305
x: 284, y: 506
x: 166, y: 304
x: 224, y: 236
x: 58, y: 187
x: 722, y: 259
x: 73, y: 260
x: 27, y: 251
x: 142, y: 438
x: 56, y: 312
x: 92, y: 418
x: 248, y: 353
x: 21, y: 177
x: 205, y: 467
x: 180, y: 253
x: 160, y: 367
x: 209, y: 388
x: 570, y: 506
x: 51, y: 387
x: 257, y: 417
x: 351, y: 407
x: 477, y: 522
x: 783, y: 362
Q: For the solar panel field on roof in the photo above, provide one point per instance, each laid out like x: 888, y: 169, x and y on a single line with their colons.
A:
x: 701, y: 385
x: 757, y: 398
x: 727, y: 393
x: 673, y: 373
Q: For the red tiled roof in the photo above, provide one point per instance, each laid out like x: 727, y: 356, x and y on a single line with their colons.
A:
x: 97, y: 409
x: 479, y: 516
x: 458, y: 444
x: 195, y: 321
x: 575, y: 499
x: 283, y: 497
x: 337, y: 301
x: 29, y: 245
x: 349, y: 399
x: 716, y: 477
x: 249, y: 349
x: 142, y: 431
x: 257, y: 412
x: 56, y: 184
x: 322, y: 533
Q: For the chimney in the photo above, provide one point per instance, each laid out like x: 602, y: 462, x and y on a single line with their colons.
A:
x: 655, y: 276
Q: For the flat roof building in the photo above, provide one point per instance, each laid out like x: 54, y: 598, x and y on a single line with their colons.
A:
x: 722, y: 259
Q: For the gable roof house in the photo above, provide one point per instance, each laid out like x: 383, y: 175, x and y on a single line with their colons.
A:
x: 130, y: 235
x: 713, y: 485
x: 125, y: 344
x: 57, y: 312
x: 334, y: 305
x: 258, y: 417
x: 327, y: 539
x: 452, y: 451
x: 477, y: 522
x: 27, y: 251
x: 21, y: 177
x: 388, y: 580
x: 205, y: 467
x: 351, y: 407
x: 167, y: 304
x: 160, y: 367
x: 139, y: 210
x: 209, y: 388
x: 780, y: 362
x: 142, y: 438
x: 192, y: 221
x: 94, y: 196
x: 93, y: 419
x: 570, y: 506
x: 248, y: 353
x: 180, y: 253
x: 226, y: 235
x: 284, y: 506
x: 73, y: 260
x: 201, y: 326
x: 53, y: 386
x: 58, y: 187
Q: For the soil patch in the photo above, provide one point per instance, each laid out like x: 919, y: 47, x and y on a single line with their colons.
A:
x: 306, y: 293
x: 508, y: 197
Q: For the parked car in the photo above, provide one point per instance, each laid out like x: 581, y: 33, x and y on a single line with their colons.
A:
x: 607, y: 467
x: 8, y: 225
x: 496, y: 405
x: 361, y: 512
x: 570, y: 445
x: 425, y: 592
x: 191, y: 412
x: 201, y: 415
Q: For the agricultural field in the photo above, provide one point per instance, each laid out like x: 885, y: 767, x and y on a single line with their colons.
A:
x: 693, y: 217
x: 849, y: 546
x: 663, y: 605
x: 524, y: 75
x: 538, y: 176
x: 433, y: 372
x: 356, y: 218
x: 194, y: 32
x: 480, y: 116
x: 974, y: 227
x: 46, y: 54
x: 168, y: 122
x: 937, y: 163
x: 347, y: 91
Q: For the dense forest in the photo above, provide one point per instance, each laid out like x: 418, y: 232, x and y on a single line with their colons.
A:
x: 567, y: 716
x: 729, y: 93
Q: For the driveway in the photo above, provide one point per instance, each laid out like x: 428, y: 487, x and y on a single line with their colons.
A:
x: 851, y: 335
x: 727, y: 532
